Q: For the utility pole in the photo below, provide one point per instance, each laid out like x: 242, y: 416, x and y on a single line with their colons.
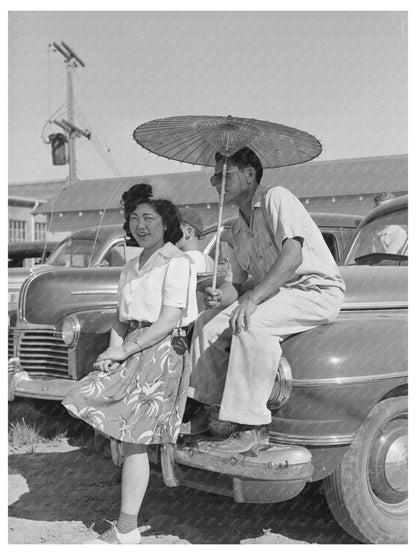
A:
x: 72, y: 61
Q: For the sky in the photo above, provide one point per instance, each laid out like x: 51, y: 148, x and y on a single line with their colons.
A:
x: 339, y: 75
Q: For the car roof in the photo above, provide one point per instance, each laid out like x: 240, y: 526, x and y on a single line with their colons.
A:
x: 386, y: 207
x: 104, y: 232
x: 31, y: 249
x: 322, y: 219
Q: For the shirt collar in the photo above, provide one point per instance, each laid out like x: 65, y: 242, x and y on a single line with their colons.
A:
x: 160, y: 256
x: 258, y: 194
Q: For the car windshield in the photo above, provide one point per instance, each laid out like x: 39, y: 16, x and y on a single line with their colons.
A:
x: 383, y: 240
x: 74, y: 252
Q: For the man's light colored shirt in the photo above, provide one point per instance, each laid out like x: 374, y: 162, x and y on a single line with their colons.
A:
x: 204, y: 263
x: 167, y: 278
x: 257, y: 246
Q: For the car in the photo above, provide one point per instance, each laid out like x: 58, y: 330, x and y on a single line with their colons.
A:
x: 319, y: 402
x: 22, y: 255
x: 339, y: 403
x: 106, y: 245
x: 36, y: 252
x: 101, y: 246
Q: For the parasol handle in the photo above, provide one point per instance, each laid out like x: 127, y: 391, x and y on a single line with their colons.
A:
x: 218, y: 238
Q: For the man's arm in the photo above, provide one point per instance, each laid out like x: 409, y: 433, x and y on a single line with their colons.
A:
x: 282, y: 270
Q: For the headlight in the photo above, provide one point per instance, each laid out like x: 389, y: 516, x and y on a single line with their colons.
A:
x: 70, y: 331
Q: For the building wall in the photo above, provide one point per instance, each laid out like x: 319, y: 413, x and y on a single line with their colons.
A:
x: 24, y: 214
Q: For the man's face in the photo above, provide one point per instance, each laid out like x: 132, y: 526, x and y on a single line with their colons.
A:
x: 237, y: 182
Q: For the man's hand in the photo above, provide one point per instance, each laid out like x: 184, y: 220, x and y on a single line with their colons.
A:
x: 240, y: 317
x: 212, y: 297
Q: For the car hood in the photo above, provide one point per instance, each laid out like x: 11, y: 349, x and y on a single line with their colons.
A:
x: 49, y: 294
x: 375, y: 287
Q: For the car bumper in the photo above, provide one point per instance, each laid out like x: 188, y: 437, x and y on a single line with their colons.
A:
x: 22, y: 384
x: 266, y: 474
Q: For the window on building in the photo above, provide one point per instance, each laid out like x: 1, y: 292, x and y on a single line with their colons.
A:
x: 40, y: 231
x: 17, y: 230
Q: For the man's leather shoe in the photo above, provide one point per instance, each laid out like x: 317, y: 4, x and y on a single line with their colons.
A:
x: 198, y: 424
x: 240, y: 441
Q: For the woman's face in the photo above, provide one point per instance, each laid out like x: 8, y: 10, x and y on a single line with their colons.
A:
x: 146, y: 226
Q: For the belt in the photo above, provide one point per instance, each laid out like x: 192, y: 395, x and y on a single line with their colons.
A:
x: 136, y: 324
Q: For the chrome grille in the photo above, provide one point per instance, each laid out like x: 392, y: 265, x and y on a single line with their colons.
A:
x: 43, y: 351
x: 10, y: 344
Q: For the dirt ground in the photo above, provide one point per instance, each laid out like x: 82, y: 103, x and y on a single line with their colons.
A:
x: 63, y: 492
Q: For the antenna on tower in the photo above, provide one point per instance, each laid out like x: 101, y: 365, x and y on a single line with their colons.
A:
x: 72, y: 54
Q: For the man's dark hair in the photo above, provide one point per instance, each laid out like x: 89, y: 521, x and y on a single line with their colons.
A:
x: 244, y: 158
x: 142, y: 194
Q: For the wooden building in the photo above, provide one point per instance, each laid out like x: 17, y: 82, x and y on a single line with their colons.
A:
x: 347, y: 186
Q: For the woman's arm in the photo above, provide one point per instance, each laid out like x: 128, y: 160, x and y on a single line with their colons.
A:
x: 117, y: 334
x: 118, y: 331
x: 167, y: 321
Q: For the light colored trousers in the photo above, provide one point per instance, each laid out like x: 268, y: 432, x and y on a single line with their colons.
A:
x: 238, y: 371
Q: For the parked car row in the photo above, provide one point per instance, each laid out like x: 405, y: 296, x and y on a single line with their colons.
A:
x: 106, y: 246
x: 339, y: 403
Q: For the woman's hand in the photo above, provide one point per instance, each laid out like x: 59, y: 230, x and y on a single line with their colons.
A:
x: 105, y: 365
x: 110, y: 359
x: 115, y: 354
x: 240, y: 317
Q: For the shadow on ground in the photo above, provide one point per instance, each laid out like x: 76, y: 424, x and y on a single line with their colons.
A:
x: 82, y: 485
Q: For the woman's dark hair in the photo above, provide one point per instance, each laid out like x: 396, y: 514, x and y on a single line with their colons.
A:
x: 142, y: 194
x: 244, y: 158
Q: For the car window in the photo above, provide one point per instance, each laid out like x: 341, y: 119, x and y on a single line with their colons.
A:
x: 383, y: 240
x: 331, y: 243
x: 224, y: 252
x: 115, y: 256
x: 204, y: 240
x: 74, y: 252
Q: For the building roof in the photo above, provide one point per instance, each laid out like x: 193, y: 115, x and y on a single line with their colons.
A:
x: 343, y: 177
x: 40, y: 190
x: 313, y: 179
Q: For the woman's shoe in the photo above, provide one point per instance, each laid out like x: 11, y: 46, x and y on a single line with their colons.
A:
x: 114, y: 536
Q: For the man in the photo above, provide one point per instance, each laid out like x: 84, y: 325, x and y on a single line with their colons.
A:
x: 192, y: 227
x: 381, y: 198
x: 235, y: 348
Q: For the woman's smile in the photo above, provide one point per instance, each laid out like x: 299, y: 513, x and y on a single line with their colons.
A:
x: 147, y: 228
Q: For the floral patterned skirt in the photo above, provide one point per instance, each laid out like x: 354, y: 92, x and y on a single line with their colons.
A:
x: 141, y: 401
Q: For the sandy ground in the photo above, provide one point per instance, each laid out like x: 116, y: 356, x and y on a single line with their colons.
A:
x: 63, y: 491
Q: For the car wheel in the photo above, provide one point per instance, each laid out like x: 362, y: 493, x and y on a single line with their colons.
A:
x: 367, y: 492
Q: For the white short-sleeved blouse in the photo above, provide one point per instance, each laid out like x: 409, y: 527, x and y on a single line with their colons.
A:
x: 167, y: 278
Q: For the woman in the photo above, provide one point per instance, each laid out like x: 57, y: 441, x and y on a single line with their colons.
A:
x: 138, y: 390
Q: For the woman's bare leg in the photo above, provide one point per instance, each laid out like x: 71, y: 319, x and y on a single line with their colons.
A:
x: 134, y: 477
